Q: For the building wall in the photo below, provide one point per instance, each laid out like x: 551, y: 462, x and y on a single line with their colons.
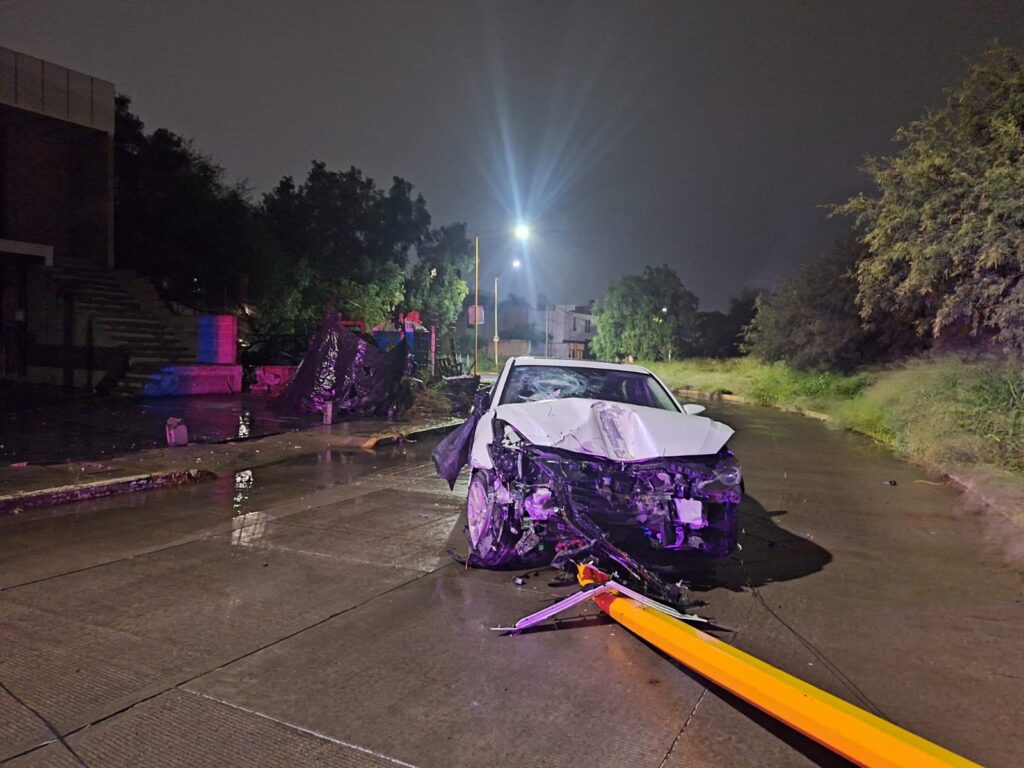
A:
x: 56, y: 158
x: 56, y: 208
x: 44, y: 88
x: 570, y: 329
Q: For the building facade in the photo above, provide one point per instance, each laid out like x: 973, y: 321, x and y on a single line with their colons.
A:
x: 569, y: 329
x: 56, y: 209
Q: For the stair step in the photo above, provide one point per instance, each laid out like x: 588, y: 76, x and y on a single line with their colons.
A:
x: 149, y: 343
x: 114, y: 311
x: 127, y: 322
x: 126, y: 308
x: 157, y: 353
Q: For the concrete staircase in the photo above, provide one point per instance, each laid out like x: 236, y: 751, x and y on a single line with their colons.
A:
x: 124, y: 316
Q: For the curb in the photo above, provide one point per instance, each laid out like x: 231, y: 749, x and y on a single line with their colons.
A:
x: 725, y: 397
x: 13, y: 503
x: 728, y: 398
x: 393, y: 436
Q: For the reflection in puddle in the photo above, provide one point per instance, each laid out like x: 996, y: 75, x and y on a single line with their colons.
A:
x: 249, y: 529
x: 243, y: 487
x: 244, y: 424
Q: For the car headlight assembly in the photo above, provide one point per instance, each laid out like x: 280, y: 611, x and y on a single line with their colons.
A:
x: 723, y: 481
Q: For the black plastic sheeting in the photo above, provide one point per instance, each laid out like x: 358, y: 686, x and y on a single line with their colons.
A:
x: 452, y: 453
x: 347, y: 371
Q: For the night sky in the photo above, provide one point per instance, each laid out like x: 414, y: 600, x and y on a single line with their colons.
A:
x: 702, y: 135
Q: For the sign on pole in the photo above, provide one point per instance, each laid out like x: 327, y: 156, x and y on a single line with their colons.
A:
x: 476, y: 315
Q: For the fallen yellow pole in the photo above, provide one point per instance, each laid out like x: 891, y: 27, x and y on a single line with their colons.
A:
x: 847, y: 730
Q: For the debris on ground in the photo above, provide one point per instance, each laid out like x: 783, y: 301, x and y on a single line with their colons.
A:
x: 177, y: 432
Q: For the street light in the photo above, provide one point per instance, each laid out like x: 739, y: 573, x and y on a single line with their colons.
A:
x: 522, y: 234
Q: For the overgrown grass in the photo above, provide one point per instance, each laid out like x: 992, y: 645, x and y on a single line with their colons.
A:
x: 941, y: 409
x: 773, y: 384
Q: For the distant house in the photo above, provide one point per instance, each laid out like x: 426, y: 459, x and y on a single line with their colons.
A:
x: 561, y: 330
x: 569, y: 329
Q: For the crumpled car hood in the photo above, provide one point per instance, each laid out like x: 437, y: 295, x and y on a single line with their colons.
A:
x: 616, y: 431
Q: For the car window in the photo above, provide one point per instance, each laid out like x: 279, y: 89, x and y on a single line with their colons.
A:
x: 527, y: 383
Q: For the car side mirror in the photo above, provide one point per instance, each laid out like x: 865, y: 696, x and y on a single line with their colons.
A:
x: 481, y: 402
x: 692, y: 409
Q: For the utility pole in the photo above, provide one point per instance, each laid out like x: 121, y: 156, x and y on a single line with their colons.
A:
x: 496, y: 339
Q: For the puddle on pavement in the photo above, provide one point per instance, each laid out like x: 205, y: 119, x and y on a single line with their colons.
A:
x: 242, y: 494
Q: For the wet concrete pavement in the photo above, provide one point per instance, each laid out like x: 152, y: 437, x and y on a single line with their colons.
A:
x: 44, y: 425
x: 307, y: 613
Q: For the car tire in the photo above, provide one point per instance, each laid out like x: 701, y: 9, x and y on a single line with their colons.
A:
x: 489, y: 531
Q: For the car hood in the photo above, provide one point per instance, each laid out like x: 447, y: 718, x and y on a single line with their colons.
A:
x: 616, y: 431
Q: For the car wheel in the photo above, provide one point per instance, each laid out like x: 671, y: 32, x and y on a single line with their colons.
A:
x: 492, y: 540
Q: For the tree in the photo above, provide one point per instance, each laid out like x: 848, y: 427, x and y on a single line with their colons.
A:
x: 811, y: 320
x: 176, y: 218
x: 720, y: 334
x: 945, y: 233
x: 650, y: 316
x: 436, y: 286
x: 346, y: 241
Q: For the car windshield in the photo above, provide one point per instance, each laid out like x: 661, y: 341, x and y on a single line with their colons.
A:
x: 528, y: 383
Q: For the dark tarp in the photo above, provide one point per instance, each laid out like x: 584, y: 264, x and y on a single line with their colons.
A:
x: 452, y: 453
x: 347, y: 371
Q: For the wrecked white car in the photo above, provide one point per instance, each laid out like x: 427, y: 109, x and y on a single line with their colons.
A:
x: 571, y: 458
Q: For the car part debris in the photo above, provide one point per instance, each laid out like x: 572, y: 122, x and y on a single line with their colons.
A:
x: 588, y: 593
x: 847, y: 730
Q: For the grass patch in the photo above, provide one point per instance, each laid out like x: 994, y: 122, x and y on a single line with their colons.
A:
x: 774, y: 384
x: 941, y: 409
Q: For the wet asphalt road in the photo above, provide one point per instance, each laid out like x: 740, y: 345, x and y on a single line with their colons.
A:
x: 308, y: 614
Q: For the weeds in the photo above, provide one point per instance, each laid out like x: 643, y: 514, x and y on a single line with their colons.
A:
x: 941, y: 409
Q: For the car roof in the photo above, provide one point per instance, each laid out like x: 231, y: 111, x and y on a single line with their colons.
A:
x: 572, y: 363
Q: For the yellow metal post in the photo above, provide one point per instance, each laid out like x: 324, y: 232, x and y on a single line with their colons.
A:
x: 847, y: 730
